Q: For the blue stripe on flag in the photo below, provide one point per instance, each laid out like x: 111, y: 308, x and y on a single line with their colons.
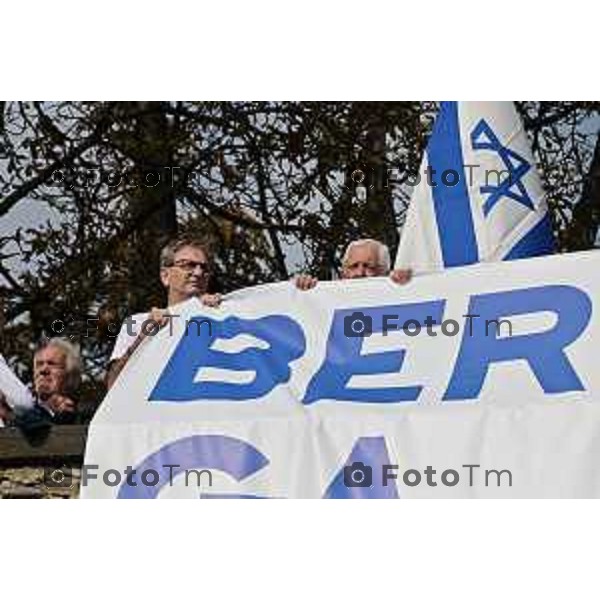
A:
x: 452, y: 204
x: 537, y: 242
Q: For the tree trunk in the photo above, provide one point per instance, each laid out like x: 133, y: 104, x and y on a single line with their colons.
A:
x: 153, y: 156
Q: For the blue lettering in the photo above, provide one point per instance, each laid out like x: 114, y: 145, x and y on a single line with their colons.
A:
x: 271, y: 366
x: 543, y: 351
x: 344, y: 359
x: 372, y: 454
x: 216, y: 452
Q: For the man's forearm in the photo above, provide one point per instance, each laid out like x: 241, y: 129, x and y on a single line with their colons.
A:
x: 6, y: 413
x: 117, y: 365
x: 114, y: 369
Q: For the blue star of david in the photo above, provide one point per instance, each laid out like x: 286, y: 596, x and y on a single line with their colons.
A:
x: 483, y: 138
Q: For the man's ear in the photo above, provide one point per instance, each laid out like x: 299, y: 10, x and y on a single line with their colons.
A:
x: 165, y: 276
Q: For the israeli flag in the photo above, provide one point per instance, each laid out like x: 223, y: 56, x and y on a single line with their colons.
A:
x: 479, y: 197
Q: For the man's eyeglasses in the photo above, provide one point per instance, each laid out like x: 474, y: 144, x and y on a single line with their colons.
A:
x: 191, y: 265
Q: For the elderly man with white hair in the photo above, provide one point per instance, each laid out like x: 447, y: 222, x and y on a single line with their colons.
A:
x: 362, y: 258
x: 56, y: 379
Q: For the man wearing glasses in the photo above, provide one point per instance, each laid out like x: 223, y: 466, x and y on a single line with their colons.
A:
x: 185, y: 272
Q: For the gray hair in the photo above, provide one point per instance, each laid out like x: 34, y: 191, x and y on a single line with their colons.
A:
x: 72, y: 360
x: 383, y: 252
x: 167, y: 254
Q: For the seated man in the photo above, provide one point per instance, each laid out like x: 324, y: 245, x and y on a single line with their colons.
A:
x: 362, y: 258
x: 56, y: 379
x: 13, y: 393
x: 185, y: 268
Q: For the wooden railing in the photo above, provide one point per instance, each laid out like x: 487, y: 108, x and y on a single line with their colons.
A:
x: 60, y: 443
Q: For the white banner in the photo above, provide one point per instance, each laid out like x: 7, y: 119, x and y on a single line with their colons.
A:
x: 13, y: 390
x: 481, y: 381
